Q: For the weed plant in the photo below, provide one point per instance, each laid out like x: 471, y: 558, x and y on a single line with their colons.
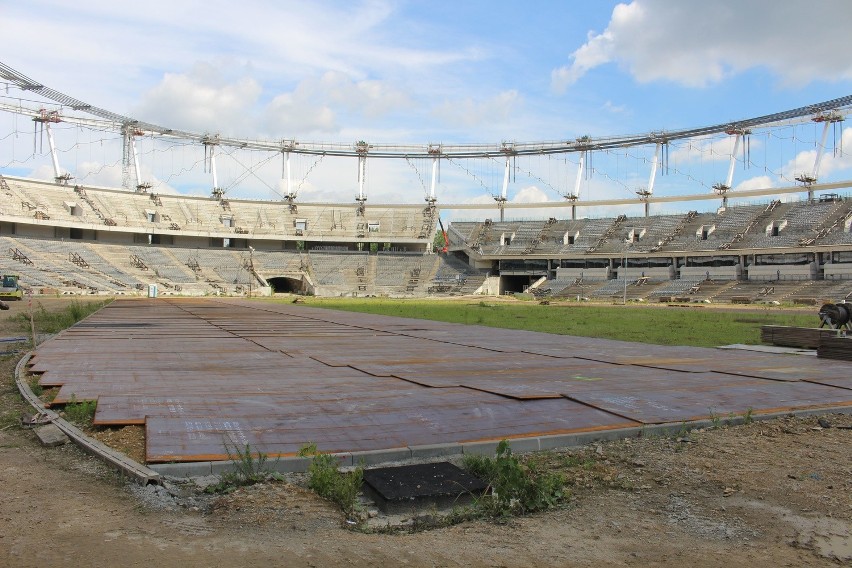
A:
x: 247, y: 469
x: 516, y: 488
x: 327, y: 481
x: 80, y: 413
x: 37, y: 389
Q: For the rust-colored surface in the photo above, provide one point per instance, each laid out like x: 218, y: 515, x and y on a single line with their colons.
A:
x: 206, y: 374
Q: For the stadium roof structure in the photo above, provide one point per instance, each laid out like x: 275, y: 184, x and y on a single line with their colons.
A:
x: 74, y: 111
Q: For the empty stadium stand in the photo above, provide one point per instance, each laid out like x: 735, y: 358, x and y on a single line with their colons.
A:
x: 88, y: 240
x: 766, y: 252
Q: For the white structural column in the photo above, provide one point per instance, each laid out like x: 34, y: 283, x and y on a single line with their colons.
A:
x: 362, y: 175
x: 580, y: 167
x: 821, y: 150
x: 575, y: 195
x: 45, y: 118
x: 506, y: 171
x: 288, y: 176
x: 213, y: 167
x: 737, y: 142
x: 504, y: 191
x: 434, y: 180
x: 647, y: 192
x: 130, y: 158
x: 654, y: 164
x: 435, y: 153
x: 827, y: 118
x: 137, y: 171
x: 362, y: 148
x: 56, y: 172
x: 724, y: 187
x: 210, y: 145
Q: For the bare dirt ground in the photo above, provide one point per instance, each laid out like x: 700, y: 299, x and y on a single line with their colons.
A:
x: 774, y: 493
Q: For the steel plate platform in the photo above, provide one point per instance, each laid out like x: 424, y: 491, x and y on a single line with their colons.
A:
x: 206, y: 375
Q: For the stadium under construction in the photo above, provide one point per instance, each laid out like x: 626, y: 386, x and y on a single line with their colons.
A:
x: 199, y: 371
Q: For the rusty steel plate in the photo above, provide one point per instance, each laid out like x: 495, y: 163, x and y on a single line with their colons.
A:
x: 715, y: 400
x: 202, y: 374
x: 841, y: 382
x: 435, y: 416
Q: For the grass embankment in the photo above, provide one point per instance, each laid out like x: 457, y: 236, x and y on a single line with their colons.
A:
x: 59, y: 317
x: 700, y: 327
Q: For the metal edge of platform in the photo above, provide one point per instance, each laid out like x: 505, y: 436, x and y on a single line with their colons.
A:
x: 138, y: 472
x: 412, y: 454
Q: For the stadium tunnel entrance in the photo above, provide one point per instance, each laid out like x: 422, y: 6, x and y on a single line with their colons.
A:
x: 286, y: 285
x: 511, y: 284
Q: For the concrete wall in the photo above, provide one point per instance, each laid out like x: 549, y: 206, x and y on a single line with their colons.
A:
x: 837, y: 271
x: 658, y: 273
x: 783, y: 272
x: 491, y: 286
x: 114, y: 237
x: 42, y: 231
x: 190, y: 241
x: 586, y: 273
x: 716, y: 272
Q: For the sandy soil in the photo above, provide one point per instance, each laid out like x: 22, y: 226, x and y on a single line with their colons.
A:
x: 775, y: 493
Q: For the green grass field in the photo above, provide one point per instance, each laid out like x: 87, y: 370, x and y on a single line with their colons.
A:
x: 696, y: 326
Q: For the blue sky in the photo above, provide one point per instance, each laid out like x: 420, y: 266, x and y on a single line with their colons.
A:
x: 432, y: 72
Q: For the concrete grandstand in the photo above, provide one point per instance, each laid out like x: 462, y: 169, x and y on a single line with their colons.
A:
x: 84, y: 240
x: 796, y: 251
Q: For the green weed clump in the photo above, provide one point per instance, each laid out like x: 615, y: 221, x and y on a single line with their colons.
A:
x: 516, y: 488
x: 327, y: 481
x: 81, y: 413
x: 37, y: 389
x: 247, y: 469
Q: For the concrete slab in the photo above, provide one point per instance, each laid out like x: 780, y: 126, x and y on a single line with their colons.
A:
x: 50, y: 435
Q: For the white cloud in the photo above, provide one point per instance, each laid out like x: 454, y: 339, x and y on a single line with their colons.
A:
x: 310, y: 107
x: 202, y: 100
x: 529, y: 194
x: 289, y: 115
x: 696, y: 43
x: 471, y: 113
x: 609, y: 106
x: 759, y: 182
x: 598, y: 50
x: 207, y: 99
